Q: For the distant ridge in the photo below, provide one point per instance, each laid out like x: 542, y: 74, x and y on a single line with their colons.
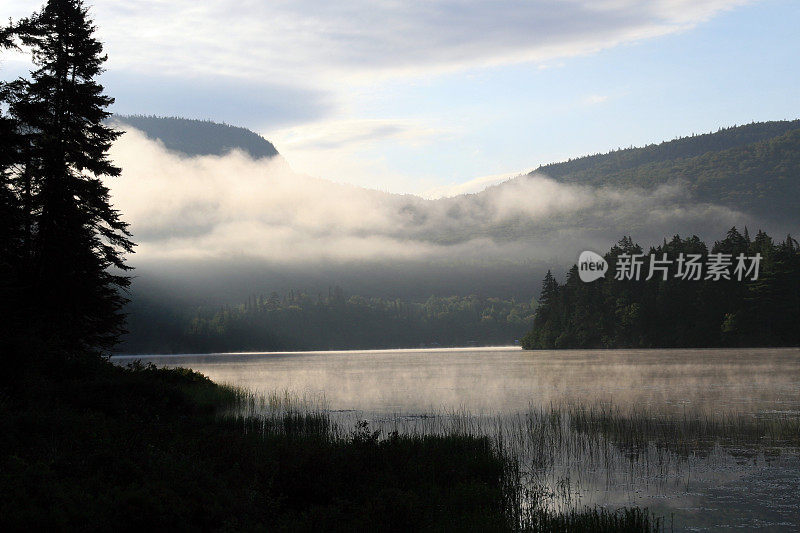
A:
x: 590, y: 168
x: 199, y: 137
x: 754, y: 168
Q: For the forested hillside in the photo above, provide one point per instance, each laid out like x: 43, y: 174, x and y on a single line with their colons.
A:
x: 299, y: 321
x: 199, y: 137
x: 599, y: 165
x: 753, y: 168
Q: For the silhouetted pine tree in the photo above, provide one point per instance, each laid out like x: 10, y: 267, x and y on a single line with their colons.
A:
x: 547, y: 324
x: 10, y: 214
x: 74, y: 243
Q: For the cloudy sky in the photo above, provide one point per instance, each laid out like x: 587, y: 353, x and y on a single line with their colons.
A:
x: 437, y: 97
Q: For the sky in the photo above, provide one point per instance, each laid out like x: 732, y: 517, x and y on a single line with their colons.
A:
x: 436, y: 97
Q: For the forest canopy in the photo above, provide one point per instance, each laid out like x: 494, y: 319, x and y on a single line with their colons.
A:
x: 676, y: 312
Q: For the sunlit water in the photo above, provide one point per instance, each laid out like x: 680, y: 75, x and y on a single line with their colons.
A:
x: 719, y: 487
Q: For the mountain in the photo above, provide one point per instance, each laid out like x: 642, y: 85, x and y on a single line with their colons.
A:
x: 753, y: 168
x: 198, y: 137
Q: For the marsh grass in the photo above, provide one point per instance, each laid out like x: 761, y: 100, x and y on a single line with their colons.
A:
x: 552, y: 454
x: 571, y: 448
x: 280, y: 413
x: 449, y: 438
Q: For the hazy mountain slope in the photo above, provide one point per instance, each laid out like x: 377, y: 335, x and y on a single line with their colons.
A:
x: 597, y: 167
x: 754, y: 169
x: 199, y: 137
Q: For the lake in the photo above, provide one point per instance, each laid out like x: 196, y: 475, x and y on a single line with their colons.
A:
x: 706, y: 438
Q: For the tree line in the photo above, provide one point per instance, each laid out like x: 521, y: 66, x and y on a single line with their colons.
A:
x: 62, y: 244
x: 301, y: 321
x: 676, y: 312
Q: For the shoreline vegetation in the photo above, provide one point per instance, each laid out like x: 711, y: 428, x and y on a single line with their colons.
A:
x: 92, y: 445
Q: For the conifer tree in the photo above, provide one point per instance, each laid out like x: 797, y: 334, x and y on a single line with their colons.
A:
x: 74, y: 240
x: 549, y: 289
x: 10, y: 212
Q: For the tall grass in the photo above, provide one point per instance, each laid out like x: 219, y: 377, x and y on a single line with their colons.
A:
x: 518, y: 443
x: 553, y: 453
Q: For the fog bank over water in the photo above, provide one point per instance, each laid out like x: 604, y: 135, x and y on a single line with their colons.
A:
x: 234, y: 207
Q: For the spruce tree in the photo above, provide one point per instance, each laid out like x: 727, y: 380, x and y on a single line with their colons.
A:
x: 74, y: 239
x: 10, y: 213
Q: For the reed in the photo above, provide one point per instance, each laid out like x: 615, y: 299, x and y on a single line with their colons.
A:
x: 552, y: 453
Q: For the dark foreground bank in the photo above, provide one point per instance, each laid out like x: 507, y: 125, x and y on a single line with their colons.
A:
x: 88, y: 445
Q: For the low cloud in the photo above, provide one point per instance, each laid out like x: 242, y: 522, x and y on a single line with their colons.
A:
x: 231, y: 207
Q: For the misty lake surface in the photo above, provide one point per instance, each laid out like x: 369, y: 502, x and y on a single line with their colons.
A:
x: 717, y: 488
